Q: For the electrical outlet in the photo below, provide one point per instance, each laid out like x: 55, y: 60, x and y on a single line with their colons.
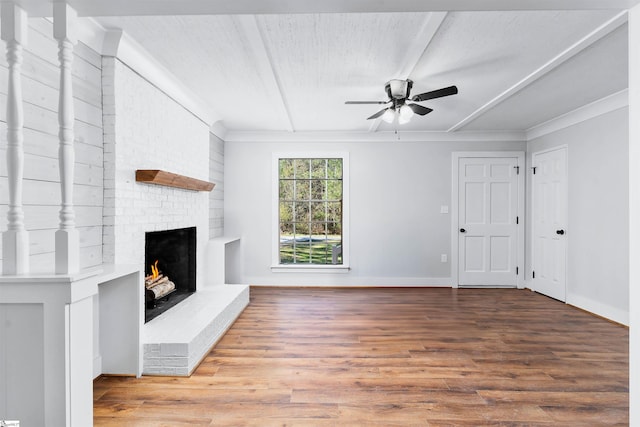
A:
x: 443, y: 258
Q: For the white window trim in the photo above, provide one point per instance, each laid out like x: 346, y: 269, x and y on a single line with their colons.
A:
x: 276, y: 267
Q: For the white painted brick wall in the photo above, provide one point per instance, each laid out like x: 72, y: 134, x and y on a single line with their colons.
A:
x: 216, y: 197
x: 146, y: 129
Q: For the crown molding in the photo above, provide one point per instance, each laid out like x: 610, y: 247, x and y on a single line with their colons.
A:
x: 408, y: 136
x: 219, y: 130
x: 586, y: 112
x: 118, y: 44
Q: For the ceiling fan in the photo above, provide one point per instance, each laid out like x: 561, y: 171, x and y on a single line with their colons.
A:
x: 398, y: 92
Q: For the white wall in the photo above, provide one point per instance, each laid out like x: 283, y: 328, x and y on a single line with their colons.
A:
x: 397, y: 231
x: 41, y: 188
x: 146, y: 129
x: 598, y: 216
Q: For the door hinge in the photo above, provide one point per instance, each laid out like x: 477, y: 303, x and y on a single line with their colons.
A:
x: 517, y: 271
x: 534, y: 169
x: 517, y: 220
x: 517, y: 168
x: 533, y: 273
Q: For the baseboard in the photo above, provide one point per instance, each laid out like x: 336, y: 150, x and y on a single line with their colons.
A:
x: 603, y: 310
x: 362, y: 282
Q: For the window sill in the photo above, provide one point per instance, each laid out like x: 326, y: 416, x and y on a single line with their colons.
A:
x: 299, y: 268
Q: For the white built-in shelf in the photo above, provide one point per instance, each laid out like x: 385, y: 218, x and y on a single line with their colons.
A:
x: 223, y: 240
x: 217, y: 257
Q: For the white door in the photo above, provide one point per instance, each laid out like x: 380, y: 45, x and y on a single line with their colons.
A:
x: 549, y: 223
x: 488, y: 221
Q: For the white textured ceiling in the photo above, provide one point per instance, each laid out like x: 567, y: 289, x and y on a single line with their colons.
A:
x: 293, y: 72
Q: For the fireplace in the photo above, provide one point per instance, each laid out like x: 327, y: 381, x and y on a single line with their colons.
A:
x: 170, y: 269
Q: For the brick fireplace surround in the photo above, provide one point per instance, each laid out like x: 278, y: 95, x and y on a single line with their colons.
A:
x: 161, y: 134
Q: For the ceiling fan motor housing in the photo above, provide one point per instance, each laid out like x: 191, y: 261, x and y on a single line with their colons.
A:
x: 398, y: 89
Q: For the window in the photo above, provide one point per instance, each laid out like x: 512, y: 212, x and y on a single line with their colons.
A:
x: 310, y: 211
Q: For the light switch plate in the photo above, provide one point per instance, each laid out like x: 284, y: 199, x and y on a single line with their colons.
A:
x: 443, y: 258
x: 444, y: 209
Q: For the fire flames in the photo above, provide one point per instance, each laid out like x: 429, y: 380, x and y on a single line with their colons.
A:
x: 154, y: 270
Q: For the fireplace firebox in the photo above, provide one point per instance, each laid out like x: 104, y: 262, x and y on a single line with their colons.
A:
x: 170, y: 269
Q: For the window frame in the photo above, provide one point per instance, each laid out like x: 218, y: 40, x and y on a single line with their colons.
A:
x: 275, y: 213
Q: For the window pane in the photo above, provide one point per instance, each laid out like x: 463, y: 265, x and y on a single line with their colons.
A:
x: 286, y: 190
x: 334, y: 211
x: 302, y: 190
x: 318, y: 168
x: 286, y: 168
x: 334, y: 190
x: 286, y: 253
x: 318, y: 211
x: 318, y: 191
x: 286, y: 212
x: 302, y: 232
x: 334, y: 168
x: 318, y: 229
x: 302, y: 212
x: 286, y: 231
x: 334, y: 230
x: 302, y: 168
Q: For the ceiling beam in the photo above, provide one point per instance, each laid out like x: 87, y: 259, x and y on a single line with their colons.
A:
x: 264, y: 65
x: 597, y: 34
x: 208, y: 7
x: 416, y: 51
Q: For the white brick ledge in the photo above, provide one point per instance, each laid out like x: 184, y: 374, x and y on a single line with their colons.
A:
x: 175, y: 342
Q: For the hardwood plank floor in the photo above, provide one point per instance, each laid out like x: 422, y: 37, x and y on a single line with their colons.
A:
x: 392, y: 357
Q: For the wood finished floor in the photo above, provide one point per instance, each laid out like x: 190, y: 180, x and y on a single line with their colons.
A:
x: 391, y: 357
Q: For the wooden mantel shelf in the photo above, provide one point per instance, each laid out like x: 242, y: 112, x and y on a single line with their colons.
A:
x: 160, y: 177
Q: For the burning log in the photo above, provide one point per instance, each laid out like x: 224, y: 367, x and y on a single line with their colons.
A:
x: 162, y: 289
x: 157, y: 281
x: 157, y: 286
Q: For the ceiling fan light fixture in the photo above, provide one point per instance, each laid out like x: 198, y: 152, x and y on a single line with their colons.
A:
x: 399, y: 89
x: 406, y: 112
x: 389, y: 115
x: 402, y: 120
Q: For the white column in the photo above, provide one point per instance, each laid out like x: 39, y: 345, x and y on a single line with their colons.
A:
x: 634, y: 216
x: 67, y: 239
x: 15, y: 241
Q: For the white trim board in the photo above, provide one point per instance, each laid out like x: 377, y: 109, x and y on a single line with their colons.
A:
x: 586, y: 112
x: 118, y: 44
x: 598, y: 308
x: 357, y: 282
x: 386, y: 136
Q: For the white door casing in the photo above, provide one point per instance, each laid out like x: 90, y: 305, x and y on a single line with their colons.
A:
x: 549, y: 209
x: 488, y: 219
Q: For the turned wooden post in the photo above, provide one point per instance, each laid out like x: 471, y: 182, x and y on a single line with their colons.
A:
x: 67, y: 239
x: 15, y: 241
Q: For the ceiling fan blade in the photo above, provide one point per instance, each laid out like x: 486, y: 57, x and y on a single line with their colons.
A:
x: 378, y: 114
x: 419, y: 109
x: 439, y: 93
x: 366, y: 102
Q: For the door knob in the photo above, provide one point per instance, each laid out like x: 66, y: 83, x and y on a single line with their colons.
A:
x: 462, y: 230
x: 560, y: 232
